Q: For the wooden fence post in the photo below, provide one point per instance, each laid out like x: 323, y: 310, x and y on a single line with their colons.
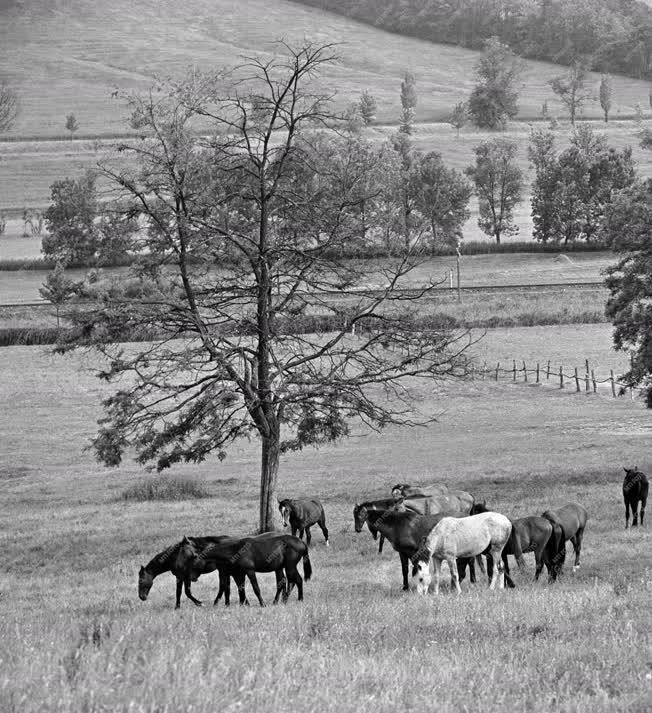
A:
x: 537, y: 372
x: 586, y: 376
x: 613, y: 384
x: 548, y: 370
x: 497, y: 370
x: 514, y: 370
x: 577, y: 380
x: 595, y: 387
x: 561, y: 377
x: 524, y: 371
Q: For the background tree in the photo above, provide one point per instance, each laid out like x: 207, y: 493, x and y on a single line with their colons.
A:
x: 273, y: 201
x: 571, y: 89
x: 71, y: 124
x: 499, y: 184
x: 9, y: 106
x: 408, y: 102
x: 543, y: 158
x: 442, y: 196
x: 71, y: 221
x: 368, y: 107
x: 493, y: 100
x: 628, y: 226
x: 606, y: 95
x: 58, y: 289
x: 572, y: 191
x: 459, y: 117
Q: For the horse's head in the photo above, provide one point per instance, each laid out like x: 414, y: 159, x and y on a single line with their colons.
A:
x: 421, y: 575
x: 359, y: 516
x: 145, y: 581
x: 398, y: 491
x: 284, y: 507
x: 478, y: 507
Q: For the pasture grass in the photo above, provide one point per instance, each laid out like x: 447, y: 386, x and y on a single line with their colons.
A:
x: 165, y: 488
x: 70, y: 56
x: 75, y: 636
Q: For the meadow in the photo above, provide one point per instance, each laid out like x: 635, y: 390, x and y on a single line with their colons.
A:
x: 75, y: 636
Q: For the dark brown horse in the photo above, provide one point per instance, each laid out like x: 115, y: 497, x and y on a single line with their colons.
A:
x: 571, y: 519
x: 168, y: 561
x: 403, y: 528
x: 269, y: 552
x: 301, y: 514
x: 635, y: 490
x: 532, y: 534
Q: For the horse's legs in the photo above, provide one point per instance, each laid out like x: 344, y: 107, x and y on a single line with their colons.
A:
x: 538, y: 558
x: 324, y: 529
x: 186, y: 588
x: 254, y: 585
x: 294, y: 529
x: 301, y: 531
x: 294, y: 578
x: 626, y: 513
x: 404, y: 570
x: 643, y: 504
x: 437, y: 572
x: 508, y: 580
x: 239, y: 579
x: 381, y: 542
x: 635, y: 513
x: 280, y: 584
x: 577, y: 546
x: 471, y: 570
x: 496, y: 575
x: 308, y: 536
x: 179, y: 588
x: 225, y: 588
x: 490, y: 567
x: 455, y: 580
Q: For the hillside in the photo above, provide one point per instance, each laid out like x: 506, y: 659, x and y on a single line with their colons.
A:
x: 69, y: 56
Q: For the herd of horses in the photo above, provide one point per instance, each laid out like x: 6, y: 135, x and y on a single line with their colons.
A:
x: 426, y: 525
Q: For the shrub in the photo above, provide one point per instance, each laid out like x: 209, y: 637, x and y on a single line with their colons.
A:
x: 166, y: 488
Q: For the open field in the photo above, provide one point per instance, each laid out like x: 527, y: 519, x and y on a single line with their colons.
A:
x: 68, y: 56
x: 74, y: 635
x: 499, y: 269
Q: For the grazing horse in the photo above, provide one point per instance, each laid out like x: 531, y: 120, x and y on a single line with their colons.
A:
x: 168, y: 561
x: 405, y: 490
x: 451, y: 538
x: 571, y: 519
x: 635, y: 490
x: 300, y: 515
x: 403, y: 528
x: 269, y: 552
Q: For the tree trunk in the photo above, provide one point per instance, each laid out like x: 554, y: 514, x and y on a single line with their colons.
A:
x: 270, y: 518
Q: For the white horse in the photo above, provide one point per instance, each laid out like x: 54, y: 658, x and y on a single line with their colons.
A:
x: 454, y: 537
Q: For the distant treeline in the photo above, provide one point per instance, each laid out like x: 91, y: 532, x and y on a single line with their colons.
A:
x: 616, y: 35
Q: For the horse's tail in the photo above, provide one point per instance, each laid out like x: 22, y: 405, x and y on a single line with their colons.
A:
x: 516, y: 548
x: 307, y: 567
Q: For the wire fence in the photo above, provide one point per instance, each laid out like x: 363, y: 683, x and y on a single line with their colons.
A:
x: 571, y: 378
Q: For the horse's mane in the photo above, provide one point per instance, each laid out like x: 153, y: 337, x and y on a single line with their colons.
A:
x: 162, y: 559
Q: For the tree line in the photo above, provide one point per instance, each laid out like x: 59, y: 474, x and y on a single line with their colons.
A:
x: 614, y: 36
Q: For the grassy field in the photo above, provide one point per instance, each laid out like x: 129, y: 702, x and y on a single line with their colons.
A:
x: 75, y: 637
x: 501, y: 269
x: 68, y: 56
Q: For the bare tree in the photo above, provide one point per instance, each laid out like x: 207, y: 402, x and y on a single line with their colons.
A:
x: 274, y: 203
x: 9, y: 106
x: 570, y: 88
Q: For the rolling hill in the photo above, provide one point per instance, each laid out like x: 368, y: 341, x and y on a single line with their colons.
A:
x: 69, y: 56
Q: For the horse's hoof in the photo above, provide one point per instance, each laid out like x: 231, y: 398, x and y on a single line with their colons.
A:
x: 328, y: 544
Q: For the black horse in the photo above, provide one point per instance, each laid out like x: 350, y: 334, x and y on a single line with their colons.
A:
x: 403, y: 528
x: 532, y: 534
x: 168, y: 561
x: 269, y: 552
x: 301, y: 514
x: 572, y: 520
x: 635, y: 490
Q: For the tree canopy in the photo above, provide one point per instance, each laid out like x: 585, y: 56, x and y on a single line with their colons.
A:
x: 264, y: 329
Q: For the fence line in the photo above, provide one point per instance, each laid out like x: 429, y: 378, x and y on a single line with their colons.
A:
x: 588, y: 379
